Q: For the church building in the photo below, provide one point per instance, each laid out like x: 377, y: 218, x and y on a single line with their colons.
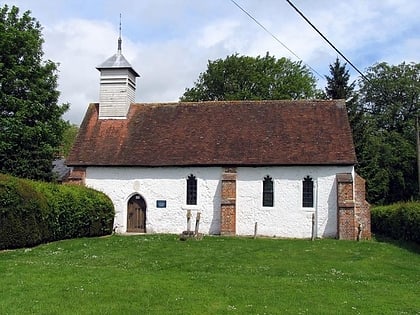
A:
x: 273, y: 168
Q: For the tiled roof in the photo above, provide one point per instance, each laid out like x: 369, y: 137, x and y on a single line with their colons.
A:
x: 218, y: 133
x: 60, y: 169
x: 117, y: 61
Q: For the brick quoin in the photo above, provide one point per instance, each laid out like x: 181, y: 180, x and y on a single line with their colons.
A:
x: 362, y: 208
x: 353, y: 210
x: 229, y: 189
x: 228, y: 204
x: 77, y: 176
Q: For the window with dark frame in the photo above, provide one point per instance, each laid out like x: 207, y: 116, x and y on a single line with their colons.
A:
x: 268, y: 192
x: 191, y: 190
x: 308, y: 192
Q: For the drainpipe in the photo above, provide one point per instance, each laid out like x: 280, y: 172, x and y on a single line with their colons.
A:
x: 316, y: 210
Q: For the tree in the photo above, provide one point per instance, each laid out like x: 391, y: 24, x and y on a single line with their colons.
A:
x: 31, y: 126
x: 390, y: 100
x: 69, y: 136
x: 248, y: 78
x: 338, y: 86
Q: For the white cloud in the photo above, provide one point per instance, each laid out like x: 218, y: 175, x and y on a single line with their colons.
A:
x: 79, y: 46
x: 170, y: 42
x: 216, y: 33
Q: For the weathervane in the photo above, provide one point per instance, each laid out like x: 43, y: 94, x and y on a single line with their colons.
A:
x: 119, y: 39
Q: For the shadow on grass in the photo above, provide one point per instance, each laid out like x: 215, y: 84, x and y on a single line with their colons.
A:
x: 410, y: 246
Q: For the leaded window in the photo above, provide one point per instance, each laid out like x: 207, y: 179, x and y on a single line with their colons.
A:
x: 308, y: 193
x: 268, y: 192
x: 191, y: 190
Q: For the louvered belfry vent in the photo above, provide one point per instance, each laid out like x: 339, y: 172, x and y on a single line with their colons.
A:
x: 117, y: 85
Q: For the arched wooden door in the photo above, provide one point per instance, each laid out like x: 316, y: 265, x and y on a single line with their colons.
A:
x: 136, y: 214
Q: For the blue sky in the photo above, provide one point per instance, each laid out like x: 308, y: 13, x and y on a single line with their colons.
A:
x: 169, y: 42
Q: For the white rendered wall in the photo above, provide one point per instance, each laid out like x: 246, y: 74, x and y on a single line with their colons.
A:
x: 287, y: 218
x: 161, y: 184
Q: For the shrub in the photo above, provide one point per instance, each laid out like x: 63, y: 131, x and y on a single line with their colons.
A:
x: 36, y: 212
x: 22, y: 213
x: 77, y: 211
x: 399, y: 221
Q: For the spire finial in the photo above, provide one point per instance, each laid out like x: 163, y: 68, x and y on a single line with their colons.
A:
x: 119, y: 39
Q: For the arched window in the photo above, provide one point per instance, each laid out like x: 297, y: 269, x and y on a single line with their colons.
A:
x: 308, y: 193
x: 268, y: 192
x: 191, y: 190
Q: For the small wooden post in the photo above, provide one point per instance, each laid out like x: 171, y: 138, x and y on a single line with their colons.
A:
x: 189, y: 220
x: 255, y: 230
x: 359, y: 232
x: 197, y: 223
x: 313, y: 227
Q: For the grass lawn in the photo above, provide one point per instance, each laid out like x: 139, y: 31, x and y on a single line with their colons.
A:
x: 158, y: 274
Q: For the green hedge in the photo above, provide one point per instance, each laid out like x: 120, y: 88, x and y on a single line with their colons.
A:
x: 36, y: 212
x: 400, y: 221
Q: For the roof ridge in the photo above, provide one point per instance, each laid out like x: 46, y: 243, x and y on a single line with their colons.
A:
x: 227, y: 103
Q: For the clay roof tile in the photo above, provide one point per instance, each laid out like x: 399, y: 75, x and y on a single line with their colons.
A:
x: 218, y: 133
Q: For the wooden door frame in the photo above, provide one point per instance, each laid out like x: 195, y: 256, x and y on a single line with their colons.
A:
x: 143, y: 206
